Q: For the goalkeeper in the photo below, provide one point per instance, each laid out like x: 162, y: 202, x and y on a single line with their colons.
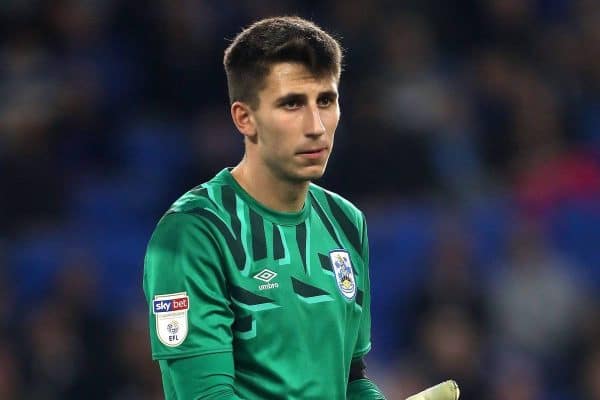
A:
x: 257, y: 281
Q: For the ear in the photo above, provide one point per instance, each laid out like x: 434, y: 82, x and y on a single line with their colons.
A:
x: 242, y: 117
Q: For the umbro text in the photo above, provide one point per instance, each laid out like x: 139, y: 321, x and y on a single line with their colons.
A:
x: 267, y: 286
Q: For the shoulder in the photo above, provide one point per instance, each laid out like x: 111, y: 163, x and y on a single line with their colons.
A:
x: 195, y: 198
x: 335, y: 203
x: 196, y: 213
x: 205, y: 201
x: 179, y: 231
x: 344, y: 215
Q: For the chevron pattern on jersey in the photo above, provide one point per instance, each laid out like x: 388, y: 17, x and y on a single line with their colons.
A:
x: 345, y: 223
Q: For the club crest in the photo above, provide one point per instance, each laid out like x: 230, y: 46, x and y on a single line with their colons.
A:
x: 171, y: 311
x: 344, y: 275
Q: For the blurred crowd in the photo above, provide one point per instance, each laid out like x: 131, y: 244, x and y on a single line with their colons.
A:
x: 470, y: 135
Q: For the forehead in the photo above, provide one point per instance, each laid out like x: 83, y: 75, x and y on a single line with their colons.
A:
x: 286, y: 78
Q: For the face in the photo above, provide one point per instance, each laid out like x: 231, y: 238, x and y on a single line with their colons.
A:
x: 295, y: 123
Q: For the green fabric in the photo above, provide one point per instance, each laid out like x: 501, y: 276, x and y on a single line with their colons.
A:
x: 207, y: 377
x: 261, y: 286
x: 363, y: 389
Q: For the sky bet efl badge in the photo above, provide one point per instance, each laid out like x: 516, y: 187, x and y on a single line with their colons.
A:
x: 344, y: 275
x: 171, y: 317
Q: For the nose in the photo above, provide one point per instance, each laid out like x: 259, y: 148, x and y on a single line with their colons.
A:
x: 314, y: 123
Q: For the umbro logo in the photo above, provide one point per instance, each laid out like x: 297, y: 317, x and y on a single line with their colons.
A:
x: 266, y: 275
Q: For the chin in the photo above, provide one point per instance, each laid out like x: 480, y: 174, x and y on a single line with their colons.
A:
x: 312, y: 173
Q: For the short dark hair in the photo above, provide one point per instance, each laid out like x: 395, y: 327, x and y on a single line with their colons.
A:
x: 249, y: 57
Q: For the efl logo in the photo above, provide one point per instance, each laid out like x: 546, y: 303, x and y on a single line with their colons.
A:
x: 170, y: 311
x: 177, y: 304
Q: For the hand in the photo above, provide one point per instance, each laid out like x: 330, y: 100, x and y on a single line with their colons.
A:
x: 444, y: 391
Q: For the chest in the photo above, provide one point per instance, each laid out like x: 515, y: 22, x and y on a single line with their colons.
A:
x: 295, y: 276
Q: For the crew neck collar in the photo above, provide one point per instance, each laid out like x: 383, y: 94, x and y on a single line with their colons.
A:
x: 279, y: 217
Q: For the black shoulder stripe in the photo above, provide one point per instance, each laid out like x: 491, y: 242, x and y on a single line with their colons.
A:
x: 200, y: 191
x: 278, y: 250
x: 301, y: 242
x: 350, y: 230
x: 234, y: 245
x: 203, y: 192
x: 228, y: 199
x: 325, y: 221
x: 259, y: 241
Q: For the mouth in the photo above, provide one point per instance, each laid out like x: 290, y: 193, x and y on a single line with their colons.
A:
x: 313, y: 153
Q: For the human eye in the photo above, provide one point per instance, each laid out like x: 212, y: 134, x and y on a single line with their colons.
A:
x: 291, y: 102
x: 325, y: 101
x: 291, y: 105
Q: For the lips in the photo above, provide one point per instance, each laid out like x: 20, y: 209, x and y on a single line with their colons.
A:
x: 313, y: 154
x: 315, y: 150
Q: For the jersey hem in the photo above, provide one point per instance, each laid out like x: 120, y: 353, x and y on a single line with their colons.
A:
x: 158, y: 356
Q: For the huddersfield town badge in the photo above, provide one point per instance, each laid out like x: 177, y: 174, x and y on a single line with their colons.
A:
x: 171, y: 317
x: 344, y: 275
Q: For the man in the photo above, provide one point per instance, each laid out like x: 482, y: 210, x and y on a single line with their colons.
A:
x: 257, y: 280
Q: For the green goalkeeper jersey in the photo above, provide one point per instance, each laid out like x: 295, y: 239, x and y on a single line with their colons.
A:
x: 287, y: 294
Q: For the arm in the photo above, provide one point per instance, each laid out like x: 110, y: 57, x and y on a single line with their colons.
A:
x: 183, y: 260
x: 360, y: 387
x: 207, y: 377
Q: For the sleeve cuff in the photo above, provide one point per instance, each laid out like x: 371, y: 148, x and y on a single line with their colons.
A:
x: 363, y: 389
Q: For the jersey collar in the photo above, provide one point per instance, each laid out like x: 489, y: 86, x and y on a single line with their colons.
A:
x: 279, y: 217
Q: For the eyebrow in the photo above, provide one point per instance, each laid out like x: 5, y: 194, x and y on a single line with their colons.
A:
x: 302, y: 98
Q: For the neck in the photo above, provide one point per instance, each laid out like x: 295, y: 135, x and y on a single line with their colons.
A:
x: 269, y: 189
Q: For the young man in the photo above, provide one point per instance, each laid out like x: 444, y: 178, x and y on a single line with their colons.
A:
x: 257, y: 280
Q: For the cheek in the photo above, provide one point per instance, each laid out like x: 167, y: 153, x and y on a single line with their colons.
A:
x: 331, y: 121
x: 274, y: 134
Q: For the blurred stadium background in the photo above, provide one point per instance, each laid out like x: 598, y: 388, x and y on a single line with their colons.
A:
x: 470, y: 135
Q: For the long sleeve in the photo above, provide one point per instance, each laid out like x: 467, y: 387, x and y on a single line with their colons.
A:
x: 205, y: 377
x: 363, y: 389
x: 189, y: 315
